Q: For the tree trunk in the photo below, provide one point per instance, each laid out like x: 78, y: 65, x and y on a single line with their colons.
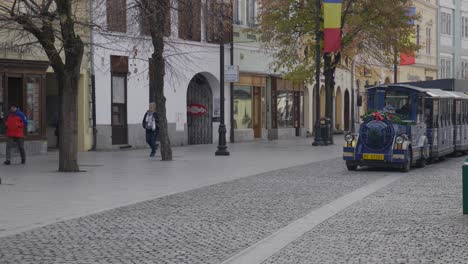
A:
x: 329, y: 72
x: 156, y: 12
x: 160, y: 100
x: 68, y: 124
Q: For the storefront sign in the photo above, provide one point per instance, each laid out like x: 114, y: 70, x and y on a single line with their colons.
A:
x: 231, y: 73
x: 197, y: 109
x: 11, y: 47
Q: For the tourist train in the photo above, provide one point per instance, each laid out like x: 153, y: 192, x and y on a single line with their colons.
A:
x: 408, y: 126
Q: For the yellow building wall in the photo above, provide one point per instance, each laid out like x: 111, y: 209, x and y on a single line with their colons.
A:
x: 426, y: 66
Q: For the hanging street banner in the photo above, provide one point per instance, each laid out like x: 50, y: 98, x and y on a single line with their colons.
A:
x: 332, y: 25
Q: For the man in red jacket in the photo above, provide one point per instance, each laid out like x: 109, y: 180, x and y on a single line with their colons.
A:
x: 15, y: 123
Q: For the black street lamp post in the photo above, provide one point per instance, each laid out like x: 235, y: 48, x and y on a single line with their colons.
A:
x: 318, y: 140
x: 222, y: 147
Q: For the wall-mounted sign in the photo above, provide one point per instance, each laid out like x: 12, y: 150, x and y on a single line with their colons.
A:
x: 197, y: 109
x: 231, y: 73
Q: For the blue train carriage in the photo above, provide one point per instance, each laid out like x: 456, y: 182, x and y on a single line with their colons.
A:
x: 460, y: 121
x: 393, y: 134
x: 440, y: 109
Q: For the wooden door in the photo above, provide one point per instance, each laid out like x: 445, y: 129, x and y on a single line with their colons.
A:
x: 119, y: 110
x: 257, y: 111
x: 346, y: 111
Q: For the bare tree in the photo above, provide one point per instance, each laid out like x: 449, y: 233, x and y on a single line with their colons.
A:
x: 54, y: 24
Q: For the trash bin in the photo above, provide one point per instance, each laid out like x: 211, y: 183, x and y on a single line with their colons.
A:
x: 325, y: 126
x: 465, y: 187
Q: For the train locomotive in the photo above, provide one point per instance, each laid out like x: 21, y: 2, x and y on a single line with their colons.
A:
x: 408, y: 126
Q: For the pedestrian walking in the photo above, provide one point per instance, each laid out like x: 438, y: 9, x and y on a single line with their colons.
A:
x: 15, y: 123
x: 151, y: 125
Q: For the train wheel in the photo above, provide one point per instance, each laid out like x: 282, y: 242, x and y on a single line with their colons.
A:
x: 407, y: 166
x: 422, y: 163
x: 351, y: 167
x: 424, y: 159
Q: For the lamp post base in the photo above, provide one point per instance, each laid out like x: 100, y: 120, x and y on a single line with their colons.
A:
x: 318, y: 140
x: 222, y: 148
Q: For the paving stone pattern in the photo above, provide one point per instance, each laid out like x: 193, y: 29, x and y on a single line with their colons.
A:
x: 417, y: 219
x: 206, y: 225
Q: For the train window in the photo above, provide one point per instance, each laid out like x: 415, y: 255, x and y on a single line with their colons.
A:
x: 428, y: 113
x: 399, y: 103
x: 420, y: 113
x: 442, y: 113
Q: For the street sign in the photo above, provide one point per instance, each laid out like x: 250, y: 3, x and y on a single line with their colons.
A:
x: 231, y: 73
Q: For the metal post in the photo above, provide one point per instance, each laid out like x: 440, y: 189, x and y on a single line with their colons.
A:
x: 465, y: 187
x: 352, y: 98
x: 318, y: 141
x: 222, y: 147
x: 395, y: 67
x: 231, y: 136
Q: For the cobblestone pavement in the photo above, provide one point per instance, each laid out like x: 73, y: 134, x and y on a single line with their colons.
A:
x: 36, y: 195
x: 418, y: 219
x: 205, y: 225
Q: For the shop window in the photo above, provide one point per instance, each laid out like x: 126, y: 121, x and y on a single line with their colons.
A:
x: 32, y: 109
x: 242, y: 107
x: 285, y: 102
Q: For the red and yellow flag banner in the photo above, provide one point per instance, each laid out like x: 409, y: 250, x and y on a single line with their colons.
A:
x: 332, y: 25
x: 409, y: 58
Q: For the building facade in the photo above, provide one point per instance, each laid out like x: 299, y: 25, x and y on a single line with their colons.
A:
x: 27, y: 80
x: 264, y: 106
x: 453, y: 39
x: 426, y: 66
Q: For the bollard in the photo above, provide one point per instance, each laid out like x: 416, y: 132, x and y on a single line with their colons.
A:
x: 465, y: 187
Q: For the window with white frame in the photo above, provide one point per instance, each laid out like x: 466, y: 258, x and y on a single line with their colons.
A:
x: 428, y: 40
x: 236, y: 12
x: 446, y: 68
x: 251, y: 12
x: 465, y: 26
x: 446, y: 23
x: 465, y: 69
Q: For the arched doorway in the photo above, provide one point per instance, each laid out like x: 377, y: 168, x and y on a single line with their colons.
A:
x: 338, y: 109
x: 346, y: 110
x: 387, y: 80
x: 199, y: 111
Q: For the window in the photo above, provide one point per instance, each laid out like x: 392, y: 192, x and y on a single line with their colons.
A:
x: 417, y: 35
x: 218, y: 21
x: 446, y: 23
x: 33, y: 87
x: 398, y: 103
x: 236, y: 13
x: 464, y: 26
x: 117, y: 15
x: 285, y: 110
x: 190, y: 20
x: 465, y: 70
x: 145, y: 25
x: 428, y: 40
x: 251, y: 12
x: 242, y: 107
x: 446, y: 68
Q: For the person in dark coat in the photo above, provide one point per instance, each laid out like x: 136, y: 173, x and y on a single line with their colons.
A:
x: 151, y: 125
x: 15, y: 123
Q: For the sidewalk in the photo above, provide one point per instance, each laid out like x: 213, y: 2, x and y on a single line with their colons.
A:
x: 35, y: 195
